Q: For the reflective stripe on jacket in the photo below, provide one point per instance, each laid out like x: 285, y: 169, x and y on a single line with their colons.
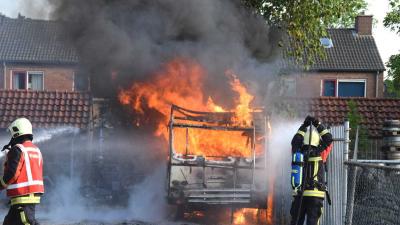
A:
x: 315, y: 175
x: 315, y: 165
x: 30, y: 177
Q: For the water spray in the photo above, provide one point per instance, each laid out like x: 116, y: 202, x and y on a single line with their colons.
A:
x: 43, y: 135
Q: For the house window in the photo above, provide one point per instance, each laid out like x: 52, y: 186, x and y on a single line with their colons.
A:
x: 35, y: 81
x: 351, y: 88
x: 19, y: 80
x: 31, y: 80
x: 344, y: 88
x: 288, y: 87
x: 329, y: 88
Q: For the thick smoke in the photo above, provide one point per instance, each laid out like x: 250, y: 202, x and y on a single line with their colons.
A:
x: 37, y: 9
x: 135, y: 37
x: 115, y: 179
x: 68, y: 205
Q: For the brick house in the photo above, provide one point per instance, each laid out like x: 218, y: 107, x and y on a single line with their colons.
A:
x: 38, y: 81
x: 34, y: 56
x: 352, y: 67
x: 38, y: 76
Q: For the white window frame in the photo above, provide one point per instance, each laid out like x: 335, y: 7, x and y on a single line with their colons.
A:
x: 34, y: 72
x: 27, y: 72
x: 352, y: 81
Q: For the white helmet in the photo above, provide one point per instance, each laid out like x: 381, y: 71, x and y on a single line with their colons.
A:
x: 20, y: 126
x: 315, y: 138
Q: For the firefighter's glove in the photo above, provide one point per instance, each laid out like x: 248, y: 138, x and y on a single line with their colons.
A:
x: 6, y: 147
x: 315, y: 122
x: 9, y: 145
x: 309, y: 119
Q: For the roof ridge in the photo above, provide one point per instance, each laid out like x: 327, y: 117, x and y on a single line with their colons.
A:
x: 341, y: 28
x: 24, y: 18
x: 42, y: 91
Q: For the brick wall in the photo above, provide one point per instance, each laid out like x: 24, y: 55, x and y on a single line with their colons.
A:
x: 55, y: 78
x: 310, y: 85
x: 363, y: 25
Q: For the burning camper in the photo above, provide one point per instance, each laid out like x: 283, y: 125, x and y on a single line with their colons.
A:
x: 228, y: 171
x: 216, y: 155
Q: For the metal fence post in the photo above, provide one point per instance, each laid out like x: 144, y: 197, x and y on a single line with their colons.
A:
x: 349, y: 212
x: 346, y: 158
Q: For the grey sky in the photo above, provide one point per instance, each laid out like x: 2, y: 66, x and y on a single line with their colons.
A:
x: 387, y: 41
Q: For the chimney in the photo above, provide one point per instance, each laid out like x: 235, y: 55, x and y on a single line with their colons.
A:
x: 363, y: 24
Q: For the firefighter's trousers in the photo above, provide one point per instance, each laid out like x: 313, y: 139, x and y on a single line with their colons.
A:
x: 311, y: 206
x: 23, y: 214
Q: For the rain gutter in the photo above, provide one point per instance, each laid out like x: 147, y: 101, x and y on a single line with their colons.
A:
x: 4, y: 74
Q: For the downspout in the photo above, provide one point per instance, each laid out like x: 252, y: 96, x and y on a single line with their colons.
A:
x: 346, y: 169
x: 73, y: 80
x: 376, y: 84
x: 4, y: 74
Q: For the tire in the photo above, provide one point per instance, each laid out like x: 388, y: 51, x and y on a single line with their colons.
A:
x: 180, y: 212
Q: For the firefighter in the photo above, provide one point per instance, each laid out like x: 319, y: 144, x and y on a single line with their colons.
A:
x: 22, y: 177
x: 309, y: 196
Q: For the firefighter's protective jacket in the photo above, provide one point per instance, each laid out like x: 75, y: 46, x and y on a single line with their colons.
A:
x: 23, y: 174
x: 314, y: 179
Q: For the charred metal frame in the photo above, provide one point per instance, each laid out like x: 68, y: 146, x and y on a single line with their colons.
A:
x: 236, y: 195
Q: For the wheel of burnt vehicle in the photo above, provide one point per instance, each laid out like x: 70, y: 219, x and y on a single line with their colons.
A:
x: 180, y: 212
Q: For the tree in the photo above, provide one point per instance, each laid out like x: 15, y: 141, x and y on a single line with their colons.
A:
x: 393, y: 79
x: 355, y: 120
x: 392, y: 21
x: 306, y: 21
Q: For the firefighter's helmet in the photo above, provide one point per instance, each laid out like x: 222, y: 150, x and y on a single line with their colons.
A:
x: 315, y: 138
x: 19, y: 127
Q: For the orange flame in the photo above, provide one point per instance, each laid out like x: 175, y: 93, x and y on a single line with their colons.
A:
x: 270, y: 205
x: 244, y: 216
x: 181, y: 83
x: 242, y: 111
x: 247, y: 216
x: 270, y: 200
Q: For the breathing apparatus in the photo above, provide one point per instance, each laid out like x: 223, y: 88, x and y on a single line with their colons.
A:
x: 297, y: 169
x: 310, y: 137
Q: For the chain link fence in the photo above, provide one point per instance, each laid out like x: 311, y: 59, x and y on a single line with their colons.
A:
x: 372, y: 149
x: 373, y: 193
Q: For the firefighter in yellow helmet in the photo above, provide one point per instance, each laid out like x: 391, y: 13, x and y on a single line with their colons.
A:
x: 311, y: 142
x: 22, y: 177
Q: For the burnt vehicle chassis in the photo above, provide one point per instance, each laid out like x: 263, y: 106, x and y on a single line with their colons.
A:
x: 196, y: 182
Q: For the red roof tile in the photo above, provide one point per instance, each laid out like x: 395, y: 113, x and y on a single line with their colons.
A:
x: 45, y: 108
x: 333, y: 111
